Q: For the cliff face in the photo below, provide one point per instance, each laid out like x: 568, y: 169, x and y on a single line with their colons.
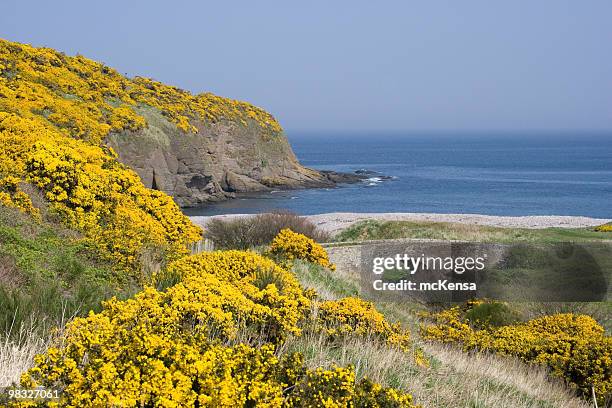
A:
x: 197, y: 148
x: 213, y: 163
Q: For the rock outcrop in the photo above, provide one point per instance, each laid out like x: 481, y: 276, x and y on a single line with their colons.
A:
x: 214, y: 163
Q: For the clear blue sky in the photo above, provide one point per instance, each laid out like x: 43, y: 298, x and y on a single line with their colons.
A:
x: 346, y: 65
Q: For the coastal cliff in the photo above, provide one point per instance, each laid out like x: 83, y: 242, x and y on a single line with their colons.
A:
x: 103, y: 153
x: 196, y: 148
x: 214, y: 162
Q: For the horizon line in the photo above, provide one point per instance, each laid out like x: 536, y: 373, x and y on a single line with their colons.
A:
x: 290, y: 131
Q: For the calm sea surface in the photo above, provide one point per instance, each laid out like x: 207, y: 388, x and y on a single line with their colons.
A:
x: 496, y: 174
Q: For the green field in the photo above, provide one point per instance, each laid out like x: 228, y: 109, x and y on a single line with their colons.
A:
x: 372, y: 229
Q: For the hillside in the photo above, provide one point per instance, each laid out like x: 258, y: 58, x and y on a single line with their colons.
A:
x: 102, y: 277
x: 77, y: 130
x: 97, y: 277
x: 196, y: 148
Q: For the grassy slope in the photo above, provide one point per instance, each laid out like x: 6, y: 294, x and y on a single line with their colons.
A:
x: 47, y: 276
x: 371, y: 229
x: 47, y: 273
x: 454, y: 379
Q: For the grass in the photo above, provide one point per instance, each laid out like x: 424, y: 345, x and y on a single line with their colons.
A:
x: 373, y: 230
x: 329, y: 285
x: 48, y: 272
x: 455, y: 378
x: 18, y: 347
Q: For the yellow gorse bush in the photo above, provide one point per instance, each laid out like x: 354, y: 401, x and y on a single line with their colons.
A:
x: 575, y: 347
x: 291, y: 245
x: 86, y: 100
x: 173, y: 348
x: 353, y: 316
x: 337, y: 388
x: 604, y: 228
x: 268, y: 299
x: 12, y: 195
x: 99, y: 196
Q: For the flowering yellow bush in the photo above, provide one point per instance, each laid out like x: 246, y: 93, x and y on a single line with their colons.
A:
x: 163, y: 349
x: 290, y: 245
x: 102, y: 198
x: 206, y: 376
x: 575, y: 347
x: 267, y: 298
x: 11, y: 195
x: 604, y: 228
x: 337, y: 388
x: 326, y: 388
x: 371, y: 394
x: 86, y: 100
x: 354, y: 316
x: 171, y: 348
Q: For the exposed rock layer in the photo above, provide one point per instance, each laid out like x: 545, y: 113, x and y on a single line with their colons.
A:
x: 219, y: 160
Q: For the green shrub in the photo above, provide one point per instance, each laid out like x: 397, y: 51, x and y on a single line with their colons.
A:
x: 494, y: 314
x: 48, y: 273
x: 253, y: 231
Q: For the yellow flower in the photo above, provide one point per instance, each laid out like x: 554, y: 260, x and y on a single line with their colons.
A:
x: 171, y: 348
x: 292, y: 245
x: 354, y: 316
x: 575, y: 347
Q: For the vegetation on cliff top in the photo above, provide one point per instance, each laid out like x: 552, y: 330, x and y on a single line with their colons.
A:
x: 86, y: 99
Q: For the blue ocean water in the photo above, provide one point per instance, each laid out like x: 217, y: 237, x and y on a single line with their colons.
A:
x: 495, y: 174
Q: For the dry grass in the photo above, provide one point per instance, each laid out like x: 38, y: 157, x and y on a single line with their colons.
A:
x: 454, y: 380
x: 329, y: 285
x: 487, y: 380
x: 10, y: 276
x: 17, y: 351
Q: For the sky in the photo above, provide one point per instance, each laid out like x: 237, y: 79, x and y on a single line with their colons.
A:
x: 355, y: 65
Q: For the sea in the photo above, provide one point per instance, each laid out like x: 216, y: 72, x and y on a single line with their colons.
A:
x: 486, y: 173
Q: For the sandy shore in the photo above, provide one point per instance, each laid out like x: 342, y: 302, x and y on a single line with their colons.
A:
x: 334, y: 222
